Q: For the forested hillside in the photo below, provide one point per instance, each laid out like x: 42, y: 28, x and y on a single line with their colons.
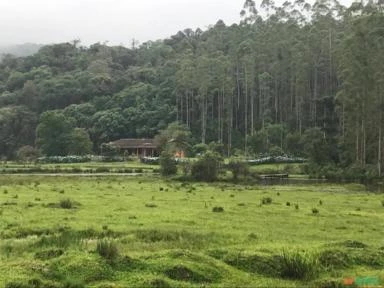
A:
x: 296, y: 79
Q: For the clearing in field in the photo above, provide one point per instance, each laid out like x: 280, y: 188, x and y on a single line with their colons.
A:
x: 148, y: 232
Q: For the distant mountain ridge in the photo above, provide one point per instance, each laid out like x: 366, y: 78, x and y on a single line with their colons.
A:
x: 20, y: 50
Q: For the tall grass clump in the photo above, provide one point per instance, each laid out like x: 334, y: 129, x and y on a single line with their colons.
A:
x: 298, y: 265
x: 107, y: 249
x: 66, y: 204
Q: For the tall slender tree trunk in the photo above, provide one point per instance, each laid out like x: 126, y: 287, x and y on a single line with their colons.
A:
x: 187, y: 118
x: 364, y: 145
x: 223, y: 114
x: 204, y: 118
x: 357, y: 143
x: 276, y: 101
x: 177, y: 107
x: 245, y: 110
x: 218, y: 116
x: 181, y: 107
x: 230, y: 124
x: 379, y: 152
x: 314, y: 115
x: 253, y: 107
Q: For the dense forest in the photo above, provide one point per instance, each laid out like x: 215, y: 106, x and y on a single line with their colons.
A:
x: 299, y: 79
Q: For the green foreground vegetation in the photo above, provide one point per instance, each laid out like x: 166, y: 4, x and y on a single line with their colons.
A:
x: 149, y: 232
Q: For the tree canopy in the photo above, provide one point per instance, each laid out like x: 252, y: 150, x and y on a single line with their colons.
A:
x: 269, y: 84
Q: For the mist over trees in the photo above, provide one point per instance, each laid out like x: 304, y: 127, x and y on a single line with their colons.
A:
x: 19, y: 50
x: 299, y: 79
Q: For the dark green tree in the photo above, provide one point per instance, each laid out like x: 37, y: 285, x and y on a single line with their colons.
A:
x: 54, y: 134
x: 168, y: 164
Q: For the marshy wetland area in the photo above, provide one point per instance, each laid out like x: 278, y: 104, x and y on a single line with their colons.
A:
x: 146, y: 231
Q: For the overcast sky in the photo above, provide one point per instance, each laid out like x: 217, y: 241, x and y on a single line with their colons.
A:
x: 116, y: 21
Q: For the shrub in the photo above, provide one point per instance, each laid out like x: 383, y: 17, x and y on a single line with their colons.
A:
x: 64, y: 159
x: 76, y: 170
x: 266, y: 200
x: 167, y: 164
x: 238, y: 168
x: 102, y: 169
x: 107, y: 249
x: 27, y: 153
x: 315, y: 211
x: 207, y: 167
x: 297, y: 265
x: 150, y: 160
x: 288, y: 203
x: 200, y: 149
x: 252, y: 236
x: 297, y: 206
x: 218, y: 209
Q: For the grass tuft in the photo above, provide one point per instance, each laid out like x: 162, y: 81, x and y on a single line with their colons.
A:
x: 183, y: 273
x: 266, y: 200
x: 315, y: 211
x: 298, y: 265
x: 158, y: 283
x: 150, y: 205
x: 49, y: 254
x: 66, y: 204
x: 354, y: 244
x: 107, y: 249
x: 334, y: 259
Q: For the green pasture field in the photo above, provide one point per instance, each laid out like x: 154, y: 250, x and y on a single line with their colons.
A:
x: 118, y: 231
x: 14, y: 167
x: 127, y: 164
x: 294, y: 170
